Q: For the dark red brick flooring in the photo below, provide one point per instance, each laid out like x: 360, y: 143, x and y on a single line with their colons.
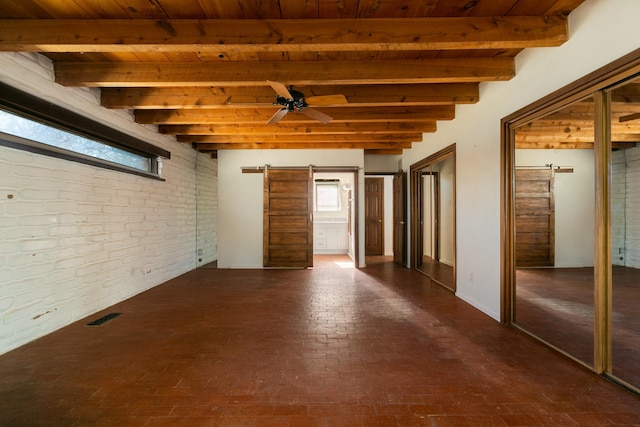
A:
x: 329, y: 346
x: 556, y: 304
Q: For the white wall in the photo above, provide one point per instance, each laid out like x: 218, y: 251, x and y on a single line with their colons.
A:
x: 75, y: 239
x: 447, y: 214
x: 600, y: 32
x: 388, y: 215
x: 428, y: 210
x: 378, y: 163
x: 240, y: 198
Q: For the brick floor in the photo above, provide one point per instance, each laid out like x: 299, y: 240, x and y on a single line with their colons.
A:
x: 328, y: 346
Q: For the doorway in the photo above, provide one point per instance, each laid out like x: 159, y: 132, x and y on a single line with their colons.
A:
x: 386, y: 217
x: 292, y: 209
x: 433, y: 217
x: 373, y: 216
x: 333, y: 213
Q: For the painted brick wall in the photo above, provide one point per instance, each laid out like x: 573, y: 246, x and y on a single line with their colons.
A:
x: 625, y: 222
x: 618, y: 210
x: 75, y: 239
x: 207, y: 211
x: 632, y: 208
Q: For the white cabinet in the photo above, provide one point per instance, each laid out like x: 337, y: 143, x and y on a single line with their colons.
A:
x: 330, y: 238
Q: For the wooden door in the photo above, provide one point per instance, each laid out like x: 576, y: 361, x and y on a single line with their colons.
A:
x: 535, y: 218
x: 374, y: 216
x: 399, y: 218
x: 288, y: 220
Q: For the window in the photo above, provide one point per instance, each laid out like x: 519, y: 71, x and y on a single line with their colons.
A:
x: 31, y: 124
x: 327, y: 195
x: 28, y: 129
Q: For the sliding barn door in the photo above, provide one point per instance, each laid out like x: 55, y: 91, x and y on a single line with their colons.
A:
x: 288, y: 220
x: 534, y: 218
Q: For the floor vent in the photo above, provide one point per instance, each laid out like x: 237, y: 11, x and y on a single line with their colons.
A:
x: 103, y: 319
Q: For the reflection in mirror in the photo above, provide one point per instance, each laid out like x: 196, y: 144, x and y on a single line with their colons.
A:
x: 625, y: 231
x: 554, y: 229
x: 437, y: 221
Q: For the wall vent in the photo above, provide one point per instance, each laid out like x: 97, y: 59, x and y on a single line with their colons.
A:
x: 103, y: 319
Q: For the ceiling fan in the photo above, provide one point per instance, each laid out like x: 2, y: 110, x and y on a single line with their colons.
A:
x: 629, y: 117
x: 293, y: 100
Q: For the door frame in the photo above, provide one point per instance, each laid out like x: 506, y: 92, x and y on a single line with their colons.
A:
x: 593, y: 85
x: 355, y: 195
x: 381, y: 222
x: 416, y: 191
x: 400, y: 218
x: 404, y: 223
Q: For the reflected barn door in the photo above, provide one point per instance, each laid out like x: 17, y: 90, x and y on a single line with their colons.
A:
x: 535, y: 218
x: 288, y: 220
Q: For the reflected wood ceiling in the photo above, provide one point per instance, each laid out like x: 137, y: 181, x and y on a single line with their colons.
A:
x: 573, y: 126
x: 199, y: 68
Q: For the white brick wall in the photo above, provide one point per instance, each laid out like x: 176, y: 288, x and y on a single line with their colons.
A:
x: 207, y: 209
x: 632, y: 208
x: 618, y: 210
x: 625, y: 222
x: 75, y: 239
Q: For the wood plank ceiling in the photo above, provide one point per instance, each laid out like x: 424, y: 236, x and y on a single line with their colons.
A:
x: 199, y: 69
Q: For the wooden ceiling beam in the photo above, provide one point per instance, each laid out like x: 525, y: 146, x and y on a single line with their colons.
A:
x: 629, y: 93
x: 575, y: 135
x: 299, y: 138
x: 237, y: 97
x: 384, y: 151
x: 570, y: 145
x: 299, y: 129
x: 281, y: 35
x: 560, y: 138
x: 577, y: 128
x: 585, y: 112
x: 302, y: 145
x: 262, y: 115
x: 168, y: 74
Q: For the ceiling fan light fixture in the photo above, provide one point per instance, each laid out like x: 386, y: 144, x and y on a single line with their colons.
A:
x: 294, y: 100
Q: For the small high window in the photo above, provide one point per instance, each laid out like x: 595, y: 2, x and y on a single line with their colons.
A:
x: 37, y: 132
x: 32, y: 124
x: 327, y: 195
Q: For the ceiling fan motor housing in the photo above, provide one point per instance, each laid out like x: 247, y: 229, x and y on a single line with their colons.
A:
x: 295, y: 103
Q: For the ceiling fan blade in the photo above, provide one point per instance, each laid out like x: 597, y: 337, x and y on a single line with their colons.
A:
x: 280, y: 89
x: 325, y: 100
x: 277, y: 116
x: 629, y: 117
x: 317, y: 115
